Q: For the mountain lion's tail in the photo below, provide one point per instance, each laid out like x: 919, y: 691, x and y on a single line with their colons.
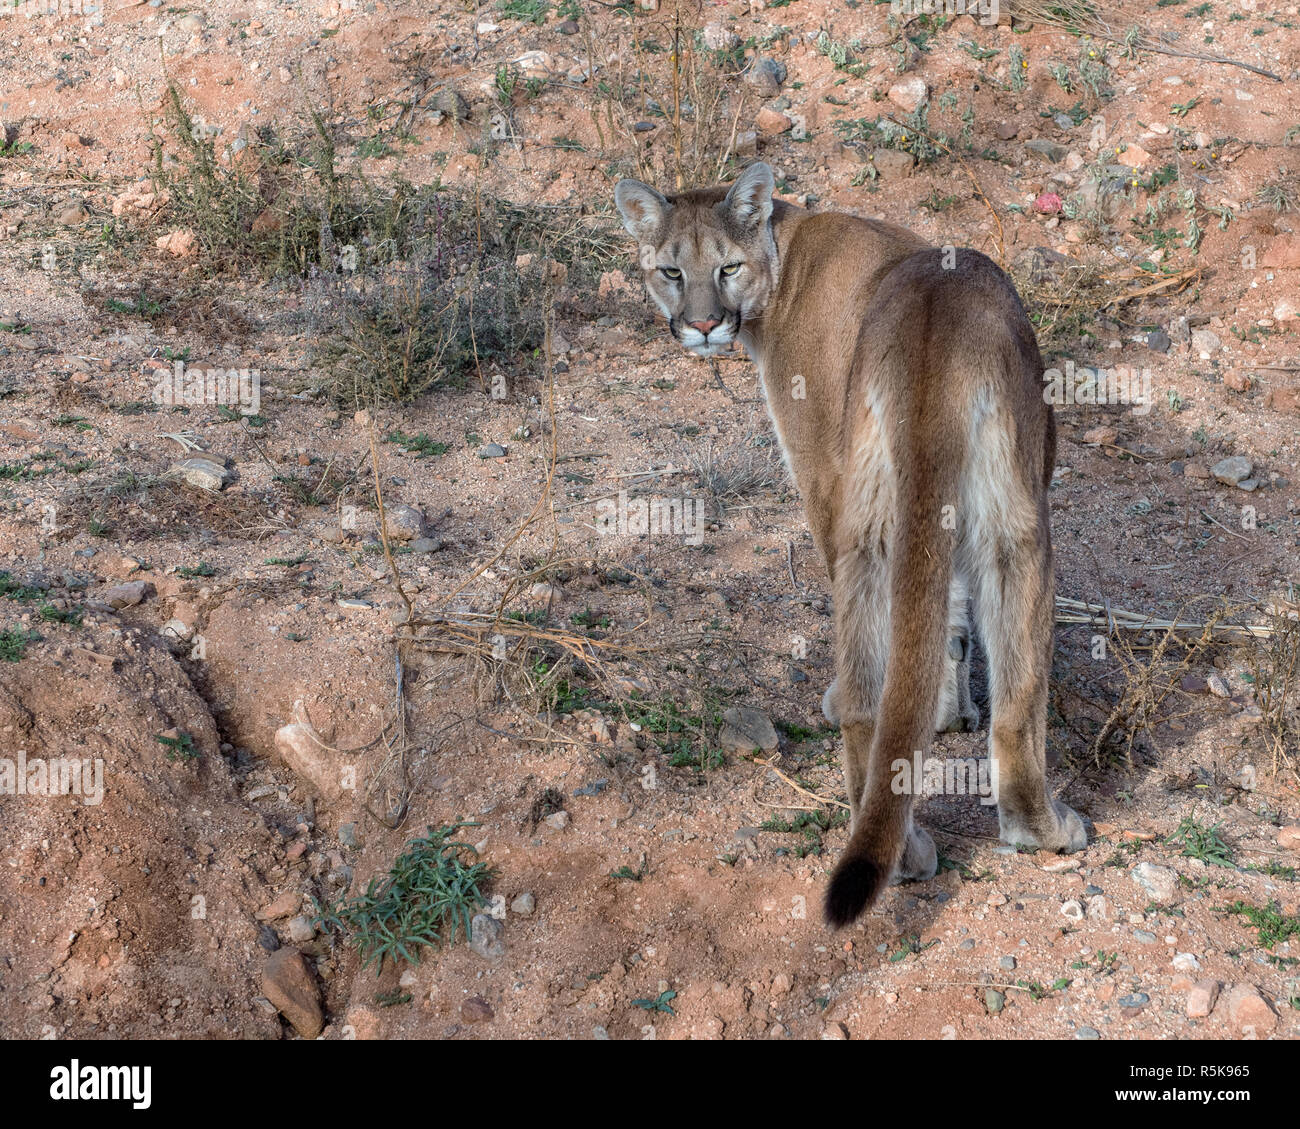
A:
x: 921, y: 563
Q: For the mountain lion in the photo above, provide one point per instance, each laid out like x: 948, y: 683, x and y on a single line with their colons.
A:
x: 904, y: 383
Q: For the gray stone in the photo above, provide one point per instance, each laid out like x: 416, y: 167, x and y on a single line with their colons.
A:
x: 1159, y: 882
x: 491, y: 451
x: 745, y: 730
x: 404, y: 523
x: 1232, y: 470
x: 766, y: 75
x: 485, y: 936
x: 558, y: 820
x: 1205, y: 341
x: 203, y: 471
x: 893, y: 164
x: 129, y: 594
x: 524, y: 905
x: 908, y: 93
x: 1134, y: 999
x: 1087, y: 1033
x: 1158, y: 341
x: 1048, y: 150
x: 993, y: 1000
x: 1008, y: 964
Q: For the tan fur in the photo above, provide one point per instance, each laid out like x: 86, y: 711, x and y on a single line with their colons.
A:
x: 904, y: 384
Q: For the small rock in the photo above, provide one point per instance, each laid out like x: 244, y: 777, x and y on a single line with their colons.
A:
x: 1087, y: 1033
x: 1201, y: 998
x: 403, y: 522
x: 1186, y: 962
x: 1006, y: 131
x: 73, y: 214
x: 204, y: 471
x: 771, y: 122
x: 766, y: 75
x: 485, y: 936
x: 178, y: 244
x: 1288, y: 838
x: 993, y: 1000
x: 129, y: 594
x: 1159, y: 882
x: 524, y: 905
x: 1134, y: 999
x: 893, y: 164
x: 424, y: 545
x: 301, y: 930
x: 909, y: 93
x: 1073, y: 910
x: 289, y: 985
x: 1134, y: 156
x: 1232, y: 470
x: 1049, y: 150
x: 1007, y: 963
x: 1248, y: 1009
x: 1205, y: 342
x: 746, y: 730
x: 492, y: 451
x: 558, y: 820
x: 476, y: 1009
x: 1158, y: 341
x: 282, y: 906
x: 1216, y: 686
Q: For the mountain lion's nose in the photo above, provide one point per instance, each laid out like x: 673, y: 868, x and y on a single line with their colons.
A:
x: 704, y: 326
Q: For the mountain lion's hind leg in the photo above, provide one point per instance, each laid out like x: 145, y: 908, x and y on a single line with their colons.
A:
x: 957, y: 713
x: 1014, y: 608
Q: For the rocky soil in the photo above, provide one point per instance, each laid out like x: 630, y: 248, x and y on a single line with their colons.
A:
x: 180, y: 587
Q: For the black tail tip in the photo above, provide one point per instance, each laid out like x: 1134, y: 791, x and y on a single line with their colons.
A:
x: 854, y: 886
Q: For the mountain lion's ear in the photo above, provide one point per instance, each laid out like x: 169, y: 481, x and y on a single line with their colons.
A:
x: 642, y: 208
x: 749, y: 203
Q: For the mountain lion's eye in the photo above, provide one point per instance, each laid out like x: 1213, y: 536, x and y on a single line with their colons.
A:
x: 671, y: 272
x: 731, y: 268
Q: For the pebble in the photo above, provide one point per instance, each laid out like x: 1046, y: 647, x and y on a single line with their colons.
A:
x: 485, y: 936
x: 1134, y: 999
x: 288, y: 983
x: 993, y: 1000
x: 492, y: 451
x: 558, y: 820
x: 1232, y: 470
x: 1201, y: 998
x: 745, y: 730
x: 1087, y: 1033
x: 1007, y: 963
x: 1248, y: 1009
x: 1159, y: 882
x: 524, y: 905
x: 476, y: 1009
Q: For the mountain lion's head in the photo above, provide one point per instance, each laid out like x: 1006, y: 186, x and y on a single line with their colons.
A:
x: 708, y: 255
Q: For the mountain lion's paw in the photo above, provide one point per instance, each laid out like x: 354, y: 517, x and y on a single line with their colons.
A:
x: 958, y: 720
x: 920, y: 860
x: 1060, y: 829
x: 829, y: 710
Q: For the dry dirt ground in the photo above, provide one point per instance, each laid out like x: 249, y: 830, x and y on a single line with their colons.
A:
x: 1146, y: 203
